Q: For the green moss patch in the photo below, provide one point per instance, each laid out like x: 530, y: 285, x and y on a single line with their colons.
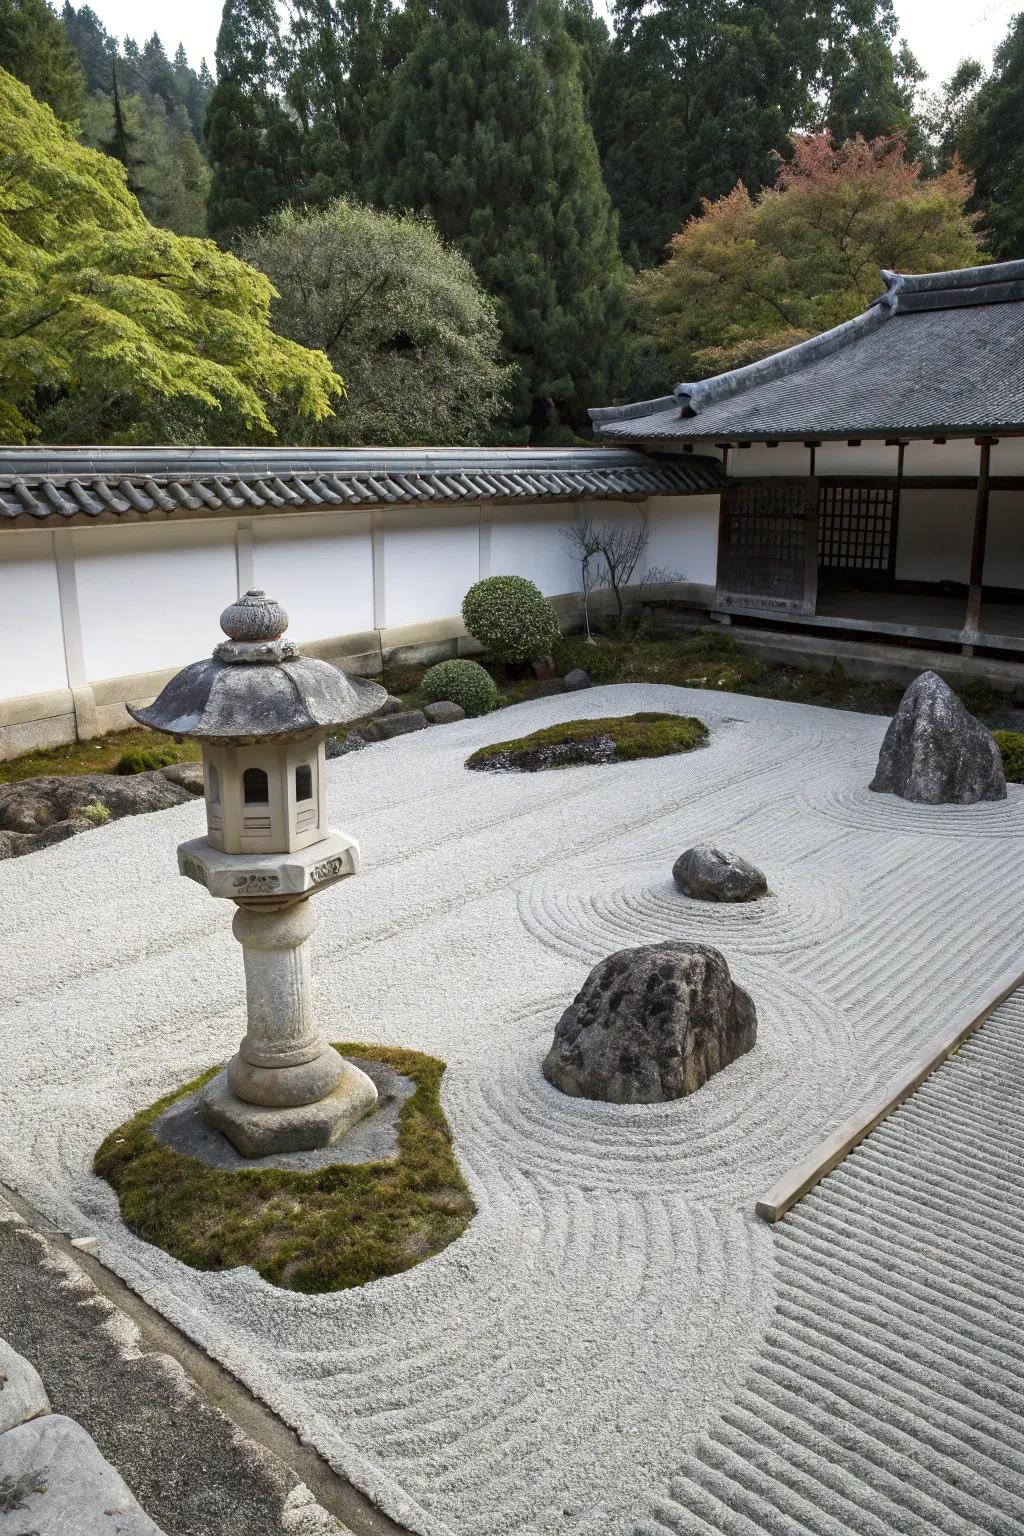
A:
x: 1011, y: 750
x: 634, y: 736
x: 318, y: 1230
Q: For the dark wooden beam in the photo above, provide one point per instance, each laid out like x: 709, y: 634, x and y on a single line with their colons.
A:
x: 972, y: 619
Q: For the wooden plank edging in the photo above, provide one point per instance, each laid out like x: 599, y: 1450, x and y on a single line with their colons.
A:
x: 803, y: 1177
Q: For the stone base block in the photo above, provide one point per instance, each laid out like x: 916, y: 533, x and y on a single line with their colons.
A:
x: 258, y: 1131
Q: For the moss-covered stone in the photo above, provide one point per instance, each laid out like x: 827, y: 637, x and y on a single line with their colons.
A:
x: 324, y: 1229
x: 611, y: 739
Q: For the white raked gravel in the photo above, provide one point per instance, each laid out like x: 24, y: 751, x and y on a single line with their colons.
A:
x: 553, y: 1370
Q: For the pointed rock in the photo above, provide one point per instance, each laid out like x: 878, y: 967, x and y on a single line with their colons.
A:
x: 935, y: 752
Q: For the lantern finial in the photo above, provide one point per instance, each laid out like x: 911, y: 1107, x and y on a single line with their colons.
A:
x: 254, y: 617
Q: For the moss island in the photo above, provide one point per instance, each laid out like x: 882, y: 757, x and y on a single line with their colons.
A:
x: 610, y: 739
x: 322, y: 1229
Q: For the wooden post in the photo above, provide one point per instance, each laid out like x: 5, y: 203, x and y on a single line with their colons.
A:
x: 810, y: 603
x: 972, y: 620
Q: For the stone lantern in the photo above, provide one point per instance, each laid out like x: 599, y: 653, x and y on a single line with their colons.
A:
x: 261, y: 712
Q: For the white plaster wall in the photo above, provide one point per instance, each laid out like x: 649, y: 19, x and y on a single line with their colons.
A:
x: 958, y: 456
x: 430, y: 560
x: 935, y: 533
x: 1004, y: 544
x: 31, y: 636
x: 150, y: 597
x: 1008, y: 456
x: 868, y: 459
x: 525, y: 542
x: 785, y: 459
x: 320, y: 568
x: 684, y: 536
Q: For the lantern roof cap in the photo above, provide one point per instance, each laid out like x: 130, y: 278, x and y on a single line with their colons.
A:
x: 258, y: 686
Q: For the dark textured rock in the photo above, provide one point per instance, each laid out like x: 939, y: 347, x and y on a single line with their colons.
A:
x: 393, y: 706
x: 935, y: 752
x: 444, y: 712
x: 35, y: 813
x: 188, y: 775
x: 543, y: 668
x: 576, y: 679
x: 596, y: 749
x: 354, y: 742
x: 651, y: 1024
x: 709, y: 874
x: 32, y: 804
x: 399, y: 725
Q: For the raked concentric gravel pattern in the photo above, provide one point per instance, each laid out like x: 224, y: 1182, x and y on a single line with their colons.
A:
x: 616, y: 1345
x: 887, y: 1392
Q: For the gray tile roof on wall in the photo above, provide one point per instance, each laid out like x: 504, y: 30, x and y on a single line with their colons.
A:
x: 86, y: 483
x: 938, y: 353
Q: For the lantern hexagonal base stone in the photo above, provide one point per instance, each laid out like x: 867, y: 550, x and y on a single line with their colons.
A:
x: 259, y: 1130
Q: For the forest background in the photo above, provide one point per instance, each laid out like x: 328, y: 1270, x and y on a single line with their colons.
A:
x: 464, y: 221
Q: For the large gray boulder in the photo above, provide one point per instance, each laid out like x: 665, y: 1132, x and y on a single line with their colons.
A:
x: 22, y: 1394
x: 709, y: 874
x: 55, y: 1481
x: 651, y: 1024
x: 935, y: 752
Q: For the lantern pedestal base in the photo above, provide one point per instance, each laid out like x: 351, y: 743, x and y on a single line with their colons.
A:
x: 257, y: 1130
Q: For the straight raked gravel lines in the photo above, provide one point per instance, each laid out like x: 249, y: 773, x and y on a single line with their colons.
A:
x: 614, y: 1295
x: 886, y: 1396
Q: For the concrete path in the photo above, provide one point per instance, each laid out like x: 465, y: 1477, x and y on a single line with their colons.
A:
x: 556, y: 1369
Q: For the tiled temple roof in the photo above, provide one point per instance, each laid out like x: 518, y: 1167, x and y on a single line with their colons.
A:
x: 938, y: 353
x: 87, y: 483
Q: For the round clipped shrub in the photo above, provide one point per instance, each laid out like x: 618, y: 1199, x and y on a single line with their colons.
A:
x: 465, y: 683
x: 510, y: 617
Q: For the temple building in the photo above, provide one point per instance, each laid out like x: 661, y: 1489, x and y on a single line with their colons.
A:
x: 875, y: 472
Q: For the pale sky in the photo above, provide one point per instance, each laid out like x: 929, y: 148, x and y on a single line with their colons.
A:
x: 940, y: 32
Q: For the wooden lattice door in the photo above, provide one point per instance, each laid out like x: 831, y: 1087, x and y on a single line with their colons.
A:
x: 768, y: 546
x: 857, y: 531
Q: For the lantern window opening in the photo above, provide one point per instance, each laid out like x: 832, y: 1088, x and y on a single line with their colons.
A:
x: 214, y: 779
x: 304, y: 782
x: 255, y: 787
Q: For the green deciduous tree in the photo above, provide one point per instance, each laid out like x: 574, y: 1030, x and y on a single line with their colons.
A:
x: 487, y: 131
x: 251, y: 142
x: 35, y: 49
x: 99, y: 309
x: 754, y: 274
x: 401, y: 316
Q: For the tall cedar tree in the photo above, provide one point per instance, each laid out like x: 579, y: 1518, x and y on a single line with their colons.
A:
x: 487, y: 131
x: 698, y: 94
x: 35, y: 49
x: 336, y: 86
x: 991, y: 140
x: 251, y: 142
x: 754, y: 275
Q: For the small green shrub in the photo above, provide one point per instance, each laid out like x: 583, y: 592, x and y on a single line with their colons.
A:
x: 146, y: 759
x: 1011, y: 750
x: 465, y: 683
x: 510, y: 617
x: 97, y: 813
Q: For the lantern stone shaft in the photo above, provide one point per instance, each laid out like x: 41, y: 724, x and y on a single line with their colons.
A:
x: 261, y: 712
